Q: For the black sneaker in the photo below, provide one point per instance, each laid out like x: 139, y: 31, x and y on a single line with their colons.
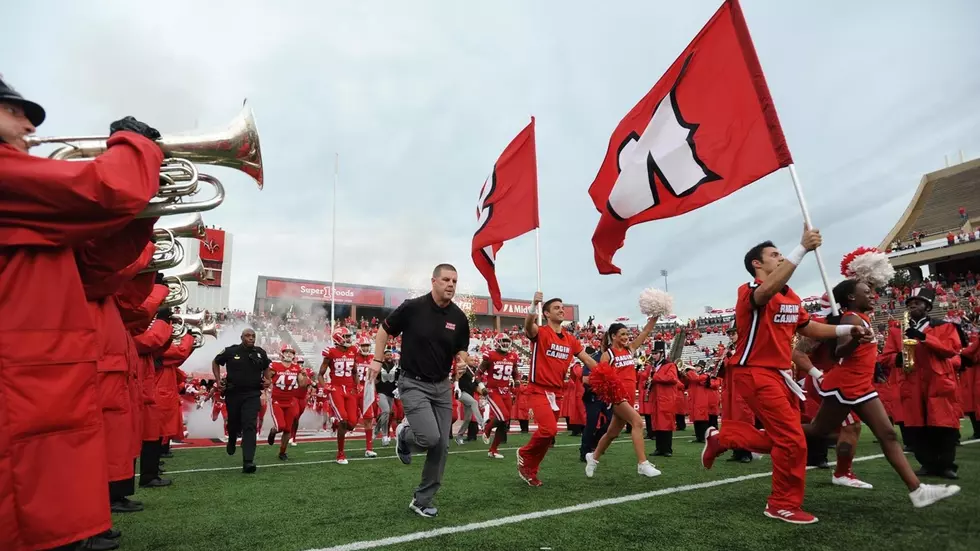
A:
x: 97, y: 543
x: 230, y: 446
x: 123, y: 507
x: 401, y: 449
x: 283, y: 456
x: 248, y: 467
x: 272, y: 437
x: 110, y: 534
x: 157, y: 483
x: 427, y: 512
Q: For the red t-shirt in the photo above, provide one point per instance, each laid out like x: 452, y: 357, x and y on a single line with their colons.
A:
x: 502, y: 367
x: 625, y: 366
x: 551, y: 353
x: 765, y: 334
x: 285, y: 380
x: 342, y: 362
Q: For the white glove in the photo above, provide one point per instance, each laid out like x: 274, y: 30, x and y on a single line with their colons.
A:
x: 396, y: 394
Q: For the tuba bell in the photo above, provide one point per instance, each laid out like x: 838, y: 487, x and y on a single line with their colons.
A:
x: 168, y: 253
x: 236, y: 147
x: 193, y: 320
x: 191, y: 227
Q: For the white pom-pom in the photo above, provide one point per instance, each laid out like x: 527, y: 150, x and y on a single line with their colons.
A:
x: 872, y: 267
x: 654, y: 302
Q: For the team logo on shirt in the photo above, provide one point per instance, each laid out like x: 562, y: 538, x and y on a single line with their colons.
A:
x: 558, y: 351
x: 788, y: 313
x: 450, y: 326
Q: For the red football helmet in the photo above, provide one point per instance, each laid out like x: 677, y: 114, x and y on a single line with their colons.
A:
x: 343, y: 338
x: 286, y: 347
x: 502, y: 342
x: 364, y: 344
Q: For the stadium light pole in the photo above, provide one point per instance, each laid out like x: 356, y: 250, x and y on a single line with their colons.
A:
x: 333, y: 242
x: 664, y: 273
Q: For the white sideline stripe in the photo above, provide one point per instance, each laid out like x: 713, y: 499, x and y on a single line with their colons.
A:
x: 321, y: 462
x: 514, y: 519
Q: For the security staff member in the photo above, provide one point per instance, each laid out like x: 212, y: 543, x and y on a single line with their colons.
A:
x: 248, y: 374
x: 434, y: 332
x: 597, y: 412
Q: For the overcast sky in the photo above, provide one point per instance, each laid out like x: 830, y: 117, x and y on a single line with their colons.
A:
x: 419, y: 99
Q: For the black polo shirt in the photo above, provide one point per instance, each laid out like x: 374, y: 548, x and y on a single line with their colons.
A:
x: 431, y: 337
x: 245, y: 366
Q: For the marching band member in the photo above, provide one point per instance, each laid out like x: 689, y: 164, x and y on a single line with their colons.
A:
x: 661, y: 392
x: 49, y: 207
x: 773, y: 313
x: 617, y: 351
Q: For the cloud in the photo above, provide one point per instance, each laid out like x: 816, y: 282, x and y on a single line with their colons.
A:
x: 420, y: 98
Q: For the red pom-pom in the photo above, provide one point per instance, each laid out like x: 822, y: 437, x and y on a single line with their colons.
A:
x: 606, y: 384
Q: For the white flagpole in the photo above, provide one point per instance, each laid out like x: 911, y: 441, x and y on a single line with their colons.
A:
x: 333, y: 242
x: 809, y: 225
x: 537, y: 254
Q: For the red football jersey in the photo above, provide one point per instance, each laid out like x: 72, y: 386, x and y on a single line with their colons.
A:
x: 342, y: 362
x: 362, y: 364
x: 285, y: 380
x: 502, y: 369
x: 765, y: 335
x: 551, y: 353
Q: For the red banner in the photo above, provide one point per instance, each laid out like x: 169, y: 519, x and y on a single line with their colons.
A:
x: 321, y: 291
x: 212, y: 252
x: 478, y: 306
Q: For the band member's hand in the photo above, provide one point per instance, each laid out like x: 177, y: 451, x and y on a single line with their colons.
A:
x: 913, y: 333
x: 811, y: 239
x: 538, y: 298
x: 130, y: 124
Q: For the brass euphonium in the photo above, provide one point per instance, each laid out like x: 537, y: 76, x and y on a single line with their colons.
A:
x: 908, y: 346
x: 168, y: 253
x: 193, y: 320
x: 235, y: 147
x: 176, y: 282
x: 191, y: 227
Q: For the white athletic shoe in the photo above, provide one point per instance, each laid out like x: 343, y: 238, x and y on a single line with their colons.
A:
x: 590, y: 465
x: 385, y: 441
x: 341, y: 459
x: 223, y: 439
x: 292, y: 442
x: 644, y: 469
x: 370, y: 453
x: 494, y: 455
x: 460, y: 441
x: 927, y: 494
x: 486, y: 439
x: 850, y: 481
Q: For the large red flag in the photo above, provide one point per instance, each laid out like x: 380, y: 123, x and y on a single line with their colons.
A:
x: 707, y: 129
x: 508, y: 205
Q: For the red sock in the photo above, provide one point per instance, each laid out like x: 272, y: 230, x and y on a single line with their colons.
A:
x: 369, y: 438
x: 340, y: 441
x: 285, y: 440
x: 843, y: 465
x: 497, y: 439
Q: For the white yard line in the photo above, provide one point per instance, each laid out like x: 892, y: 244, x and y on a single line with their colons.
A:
x: 514, y: 519
x: 323, y: 461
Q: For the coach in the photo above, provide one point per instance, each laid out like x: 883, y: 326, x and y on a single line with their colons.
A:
x: 434, y: 333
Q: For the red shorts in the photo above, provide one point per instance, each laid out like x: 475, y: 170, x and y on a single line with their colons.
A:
x: 344, y: 405
x: 284, y: 413
x: 847, y: 387
x: 500, y: 403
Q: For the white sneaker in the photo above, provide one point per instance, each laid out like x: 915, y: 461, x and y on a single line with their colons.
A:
x: 292, y: 442
x: 927, y: 494
x: 370, y: 453
x: 590, y: 465
x: 224, y: 439
x: 342, y: 461
x: 850, y: 481
x: 494, y: 455
x: 645, y: 469
x: 460, y: 441
x: 385, y: 441
x: 486, y: 439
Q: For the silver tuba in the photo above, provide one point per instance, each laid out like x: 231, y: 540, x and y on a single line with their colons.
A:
x: 168, y: 252
x: 176, y: 283
x: 199, y: 332
x: 235, y: 147
x: 191, y: 227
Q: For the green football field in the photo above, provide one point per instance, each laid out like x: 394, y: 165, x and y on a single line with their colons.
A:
x: 310, y: 502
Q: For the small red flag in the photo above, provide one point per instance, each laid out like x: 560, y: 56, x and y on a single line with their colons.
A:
x: 508, y: 205
x: 707, y: 129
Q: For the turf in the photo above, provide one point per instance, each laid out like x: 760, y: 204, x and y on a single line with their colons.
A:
x: 310, y: 502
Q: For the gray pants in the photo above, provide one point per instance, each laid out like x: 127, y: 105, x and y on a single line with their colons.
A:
x: 471, y: 409
x: 384, y: 402
x: 429, y: 412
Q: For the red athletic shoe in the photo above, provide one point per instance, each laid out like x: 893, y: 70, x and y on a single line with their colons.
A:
x: 525, y: 473
x: 712, y: 448
x: 792, y: 516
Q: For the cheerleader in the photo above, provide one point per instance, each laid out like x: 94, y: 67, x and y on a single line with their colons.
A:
x: 850, y: 387
x: 617, y: 352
